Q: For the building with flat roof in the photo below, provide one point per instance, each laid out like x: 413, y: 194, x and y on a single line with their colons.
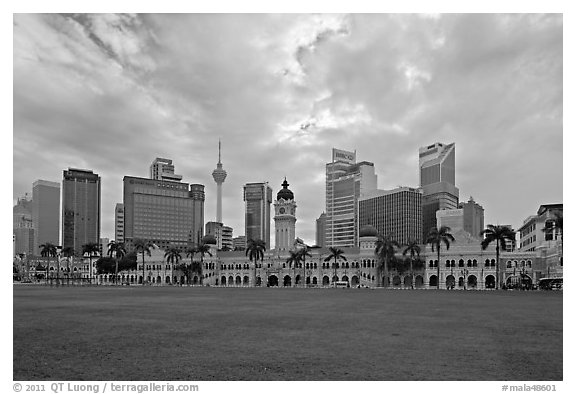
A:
x: 396, y: 212
x: 346, y: 182
x: 45, y: 213
x: 80, y: 208
x: 166, y: 213
x: 23, y: 227
x: 239, y: 242
x: 437, y: 172
x: 473, y: 216
x: 163, y: 169
x: 321, y: 230
x: 119, y: 223
x: 257, y: 199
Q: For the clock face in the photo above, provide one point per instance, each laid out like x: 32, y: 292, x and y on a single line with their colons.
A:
x: 282, y: 210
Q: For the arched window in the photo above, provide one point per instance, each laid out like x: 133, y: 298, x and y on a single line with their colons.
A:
x: 529, y: 263
x: 469, y: 263
x: 487, y: 263
x: 492, y: 263
x: 508, y: 264
x: 460, y: 263
x: 447, y: 263
x: 431, y: 263
x: 474, y: 263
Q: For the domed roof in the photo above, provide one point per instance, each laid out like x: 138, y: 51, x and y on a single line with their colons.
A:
x: 285, y: 193
x: 209, y: 239
x: 368, y: 231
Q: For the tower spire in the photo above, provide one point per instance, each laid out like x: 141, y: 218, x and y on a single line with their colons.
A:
x: 219, y: 148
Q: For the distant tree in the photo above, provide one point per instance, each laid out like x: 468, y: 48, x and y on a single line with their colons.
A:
x: 173, y: 257
x: 143, y: 246
x: 385, y: 250
x: 48, y: 250
x: 117, y: 250
x: 255, y: 251
x: 128, y: 262
x: 105, y: 265
x: 68, y: 252
x: 303, y: 252
x: 187, y: 269
x: 413, y: 249
x: 293, y: 259
x: 498, y: 234
x: 92, y: 248
x: 437, y: 237
x: 336, y: 254
x: 203, y: 249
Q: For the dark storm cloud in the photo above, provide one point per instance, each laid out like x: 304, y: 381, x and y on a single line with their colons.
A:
x: 112, y: 92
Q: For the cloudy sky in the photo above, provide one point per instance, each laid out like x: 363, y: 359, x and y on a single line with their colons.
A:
x: 112, y: 92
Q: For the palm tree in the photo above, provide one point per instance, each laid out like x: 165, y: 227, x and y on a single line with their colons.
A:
x: 335, y: 253
x: 255, y: 250
x: 499, y: 234
x: 91, y: 248
x: 413, y: 248
x: 118, y: 250
x: 303, y: 252
x: 292, y: 262
x: 435, y: 238
x: 385, y: 250
x: 202, y: 250
x: 68, y: 252
x: 143, y: 246
x: 190, y: 252
x: 48, y: 250
x: 173, y: 257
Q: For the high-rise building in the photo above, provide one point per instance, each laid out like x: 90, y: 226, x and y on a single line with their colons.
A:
x: 473, y: 217
x: 80, y: 208
x: 45, y: 213
x: 219, y: 175
x: 285, y: 219
x: 227, y: 236
x: 437, y: 166
x: 163, y: 170
x: 257, y: 198
x: 239, y: 242
x: 166, y: 213
x: 104, y: 246
x: 215, y: 229
x: 321, y: 230
x: 222, y: 234
x: 346, y: 182
x: 397, y: 213
x: 23, y: 227
x: 119, y: 223
x: 452, y: 218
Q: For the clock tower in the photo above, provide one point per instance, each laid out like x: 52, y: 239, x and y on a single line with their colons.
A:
x: 285, y: 218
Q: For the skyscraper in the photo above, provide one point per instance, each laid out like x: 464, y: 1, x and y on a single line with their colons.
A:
x: 396, y: 212
x: 163, y: 170
x: 285, y: 218
x: 321, y: 230
x: 219, y: 175
x: 166, y: 213
x: 80, y: 208
x: 23, y: 227
x: 473, y: 217
x: 45, y: 213
x: 437, y: 166
x: 119, y: 223
x: 257, y: 198
x: 346, y: 181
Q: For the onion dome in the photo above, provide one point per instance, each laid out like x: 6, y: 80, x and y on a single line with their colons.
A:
x: 368, y: 231
x: 209, y: 239
x: 285, y: 193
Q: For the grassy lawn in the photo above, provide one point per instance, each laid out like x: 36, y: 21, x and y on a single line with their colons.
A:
x: 180, y: 333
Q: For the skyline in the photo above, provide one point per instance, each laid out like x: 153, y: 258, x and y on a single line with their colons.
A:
x: 298, y: 85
